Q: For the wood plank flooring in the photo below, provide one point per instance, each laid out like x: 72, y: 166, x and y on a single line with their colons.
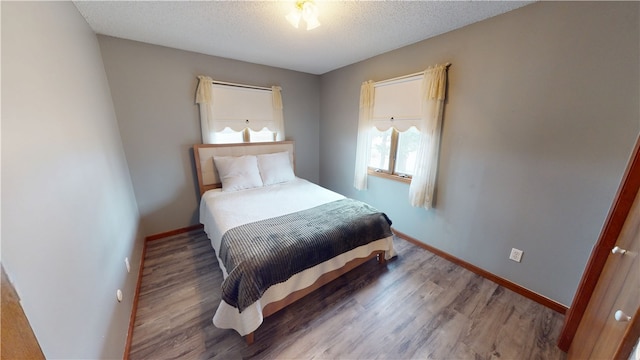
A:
x: 418, y: 306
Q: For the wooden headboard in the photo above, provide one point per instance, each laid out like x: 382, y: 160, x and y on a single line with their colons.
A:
x: 203, y: 153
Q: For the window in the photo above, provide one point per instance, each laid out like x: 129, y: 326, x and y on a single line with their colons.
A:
x: 394, y: 152
x: 399, y: 124
x: 407, y: 152
x: 263, y: 135
x: 229, y: 136
x: 397, y: 111
x: 236, y: 113
x: 380, y: 157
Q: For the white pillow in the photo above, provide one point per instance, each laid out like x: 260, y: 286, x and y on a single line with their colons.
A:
x: 275, y: 168
x: 238, y: 172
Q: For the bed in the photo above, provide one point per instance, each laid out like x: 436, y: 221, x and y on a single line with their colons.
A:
x: 278, y: 237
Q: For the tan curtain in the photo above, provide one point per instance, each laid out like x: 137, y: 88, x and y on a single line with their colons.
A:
x: 278, y: 116
x: 423, y: 183
x: 363, y: 146
x: 205, y: 100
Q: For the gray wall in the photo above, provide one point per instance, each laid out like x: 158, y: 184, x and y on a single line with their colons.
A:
x: 68, y: 210
x: 542, y: 114
x: 153, y: 90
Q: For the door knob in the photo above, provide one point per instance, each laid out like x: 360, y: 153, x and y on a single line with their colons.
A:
x: 618, y: 250
x: 621, y: 316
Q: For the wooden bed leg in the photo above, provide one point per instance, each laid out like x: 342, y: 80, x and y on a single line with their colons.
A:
x: 381, y: 259
x: 249, y: 338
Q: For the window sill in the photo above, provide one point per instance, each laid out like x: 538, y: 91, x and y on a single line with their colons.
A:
x: 390, y: 176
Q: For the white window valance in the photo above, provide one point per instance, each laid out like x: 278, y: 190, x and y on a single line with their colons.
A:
x: 397, y: 103
x: 237, y: 106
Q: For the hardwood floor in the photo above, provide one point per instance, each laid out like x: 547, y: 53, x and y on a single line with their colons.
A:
x: 417, y: 306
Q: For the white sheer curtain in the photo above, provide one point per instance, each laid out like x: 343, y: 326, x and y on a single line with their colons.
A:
x: 278, y: 116
x: 422, y: 186
x: 205, y: 100
x: 364, y: 135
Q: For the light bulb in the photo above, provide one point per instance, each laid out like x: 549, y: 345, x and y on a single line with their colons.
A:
x: 312, y: 23
x: 307, y: 10
x: 294, y: 17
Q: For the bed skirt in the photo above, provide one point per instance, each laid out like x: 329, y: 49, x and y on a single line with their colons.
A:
x: 247, y: 321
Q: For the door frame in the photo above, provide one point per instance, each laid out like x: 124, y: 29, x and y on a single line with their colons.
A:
x: 609, y: 235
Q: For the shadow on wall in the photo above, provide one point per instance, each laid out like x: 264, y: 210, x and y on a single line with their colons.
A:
x: 176, y: 213
x: 195, y: 216
x: 120, y: 313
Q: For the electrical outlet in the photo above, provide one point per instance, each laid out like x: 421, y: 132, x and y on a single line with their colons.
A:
x: 516, y: 255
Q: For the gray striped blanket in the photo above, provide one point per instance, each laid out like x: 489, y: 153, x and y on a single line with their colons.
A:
x: 268, y: 252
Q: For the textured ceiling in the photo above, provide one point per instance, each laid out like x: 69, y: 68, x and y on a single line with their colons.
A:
x: 257, y: 32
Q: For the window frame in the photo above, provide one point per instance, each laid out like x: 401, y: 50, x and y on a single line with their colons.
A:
x: 393, y: 153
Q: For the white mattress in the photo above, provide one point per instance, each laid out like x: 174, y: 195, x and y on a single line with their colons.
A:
x: 221, y: 211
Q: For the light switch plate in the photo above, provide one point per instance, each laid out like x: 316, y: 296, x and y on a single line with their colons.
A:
x: 516, y: 255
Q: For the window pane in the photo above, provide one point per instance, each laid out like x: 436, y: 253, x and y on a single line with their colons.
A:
x: 380, y: 149
x: 262, y: 135
x: 228, y: 136
x: 408, y: 142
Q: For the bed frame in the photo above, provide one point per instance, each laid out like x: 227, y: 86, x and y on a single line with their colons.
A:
x: 208, y: 179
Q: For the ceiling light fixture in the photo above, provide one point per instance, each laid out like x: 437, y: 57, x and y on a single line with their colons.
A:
x: 307, y: 10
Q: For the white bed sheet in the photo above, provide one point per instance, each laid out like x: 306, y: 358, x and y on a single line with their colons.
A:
x: 221, y: 211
